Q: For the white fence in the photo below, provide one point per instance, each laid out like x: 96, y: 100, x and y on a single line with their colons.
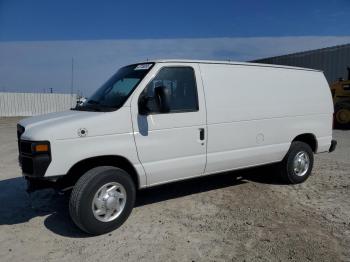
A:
x: 31, y: 104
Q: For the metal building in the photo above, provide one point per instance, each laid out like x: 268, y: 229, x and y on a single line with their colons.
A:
x: 333, y: 61
x: 32, y: 104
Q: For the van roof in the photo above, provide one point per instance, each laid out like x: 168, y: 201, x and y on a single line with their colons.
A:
x: 229, y: 63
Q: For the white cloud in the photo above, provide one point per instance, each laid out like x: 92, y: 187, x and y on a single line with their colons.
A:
x: 35, y: 66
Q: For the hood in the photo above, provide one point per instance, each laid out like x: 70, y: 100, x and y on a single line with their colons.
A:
x: 69, y: 124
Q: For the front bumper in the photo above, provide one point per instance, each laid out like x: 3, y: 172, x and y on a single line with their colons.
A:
x: 38, y: 183
x: 333, y: 145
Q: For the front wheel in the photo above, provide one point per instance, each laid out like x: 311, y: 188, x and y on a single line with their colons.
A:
x: 102, y: 200
x: 297, y: 164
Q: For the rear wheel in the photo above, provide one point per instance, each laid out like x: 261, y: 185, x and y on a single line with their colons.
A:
x: 102, y: 199
x: 297, y: 165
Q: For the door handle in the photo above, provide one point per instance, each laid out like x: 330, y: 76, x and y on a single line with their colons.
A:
x: 201, y: 134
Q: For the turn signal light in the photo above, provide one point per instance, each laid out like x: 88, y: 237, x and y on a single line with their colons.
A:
x: 41, y: 148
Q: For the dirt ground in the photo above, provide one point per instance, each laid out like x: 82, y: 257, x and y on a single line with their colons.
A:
x: 238, y: 216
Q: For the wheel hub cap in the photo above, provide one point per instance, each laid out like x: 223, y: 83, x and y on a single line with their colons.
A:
x: 109, y: 202
x: 301, y: 163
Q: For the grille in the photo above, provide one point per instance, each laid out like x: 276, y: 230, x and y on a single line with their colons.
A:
x: 25, y: 147
x: 25, y: 156
x: 20, y: 131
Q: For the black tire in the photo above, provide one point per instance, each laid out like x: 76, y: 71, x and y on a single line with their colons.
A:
x: 337, y: 109
x: 80, y: 204
x: 287, y: 165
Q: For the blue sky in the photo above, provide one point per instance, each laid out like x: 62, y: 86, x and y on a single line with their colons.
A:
x: 38, y: 38
x: 77, y: 20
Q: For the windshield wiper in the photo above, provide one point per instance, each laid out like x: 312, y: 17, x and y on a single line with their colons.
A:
x: 94, y: 102
x: 93, y: 105
x: 87, y: 107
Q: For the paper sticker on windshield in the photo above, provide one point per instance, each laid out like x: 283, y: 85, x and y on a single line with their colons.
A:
x: 143, y: 67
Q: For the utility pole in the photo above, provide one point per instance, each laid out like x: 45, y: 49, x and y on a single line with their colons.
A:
x: 72, y: 78
x: 72, y: 81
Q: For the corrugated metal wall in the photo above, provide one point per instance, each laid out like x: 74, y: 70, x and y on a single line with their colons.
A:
x: 333, y: 61
x: 31, y: 104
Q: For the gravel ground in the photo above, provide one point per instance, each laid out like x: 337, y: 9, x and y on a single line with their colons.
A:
x: 238, y: 216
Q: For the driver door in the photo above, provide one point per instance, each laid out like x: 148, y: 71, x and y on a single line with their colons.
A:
x: 172, y: 146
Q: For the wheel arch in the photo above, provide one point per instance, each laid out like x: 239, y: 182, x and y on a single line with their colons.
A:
x: 309, y: 139
x: 81, y: 167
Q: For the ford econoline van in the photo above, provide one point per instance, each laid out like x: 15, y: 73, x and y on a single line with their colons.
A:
x: 157, y: 122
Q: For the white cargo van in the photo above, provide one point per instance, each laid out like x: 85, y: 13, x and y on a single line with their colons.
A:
x: 162, y: 121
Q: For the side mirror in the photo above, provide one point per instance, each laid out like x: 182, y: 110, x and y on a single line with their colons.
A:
x: 143, y: 108
x: 163, y: 95
x: 159, y: 99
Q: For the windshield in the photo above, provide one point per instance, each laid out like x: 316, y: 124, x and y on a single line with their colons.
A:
x: 113, y: 94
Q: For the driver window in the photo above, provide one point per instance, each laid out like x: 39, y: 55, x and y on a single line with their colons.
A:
x: 182, y: 84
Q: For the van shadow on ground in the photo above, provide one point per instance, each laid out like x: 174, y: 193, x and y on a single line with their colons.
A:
x: 17, y: 206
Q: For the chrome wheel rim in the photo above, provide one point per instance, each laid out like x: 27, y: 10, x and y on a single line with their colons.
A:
x: 109, y: 202
x: 301, y: 163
